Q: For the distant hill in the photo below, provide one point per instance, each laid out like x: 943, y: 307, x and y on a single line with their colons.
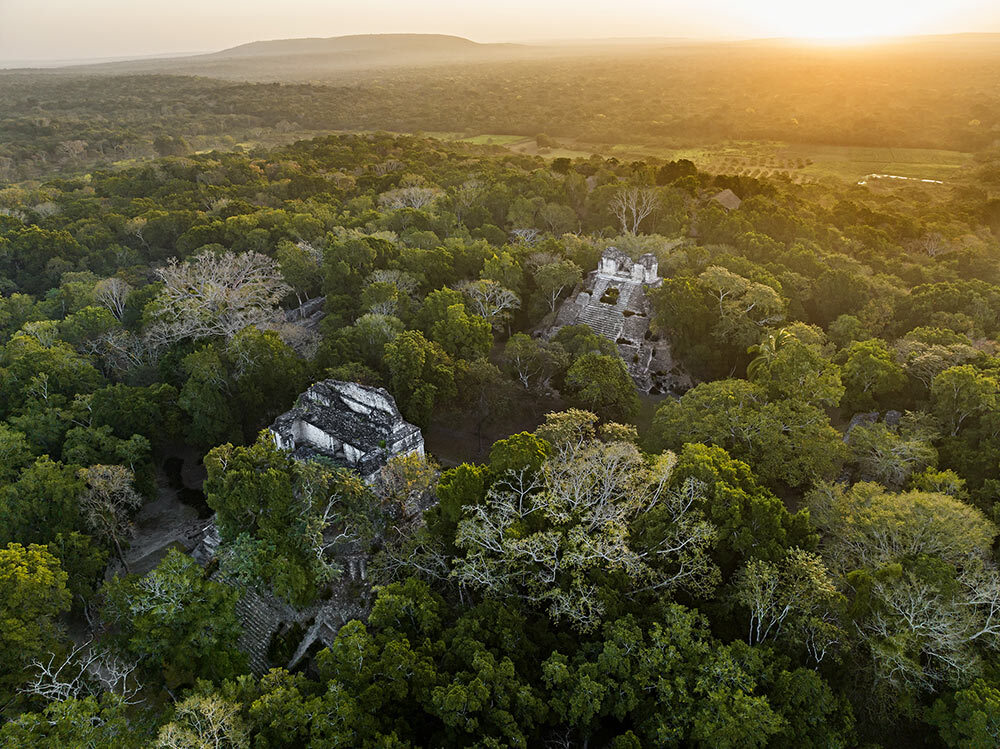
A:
x: 360, y: 43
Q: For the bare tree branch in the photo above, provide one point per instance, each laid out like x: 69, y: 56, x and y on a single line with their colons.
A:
x: 216, y: 296
x: 631, y: 205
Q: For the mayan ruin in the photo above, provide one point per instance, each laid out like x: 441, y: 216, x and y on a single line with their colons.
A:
x: 613, y: 304
x: 353, y: 425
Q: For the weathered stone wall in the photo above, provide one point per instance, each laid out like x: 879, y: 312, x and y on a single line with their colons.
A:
x: 313, y: 435
x: 364, y: 400
x: 615, y: 265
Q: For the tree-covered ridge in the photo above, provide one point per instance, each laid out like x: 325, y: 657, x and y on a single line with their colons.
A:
x: 797, y: 551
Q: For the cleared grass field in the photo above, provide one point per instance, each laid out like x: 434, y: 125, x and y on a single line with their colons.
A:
x: 495, y: 140
x: 483, y: 140
x: 801, y: 162
x: 848, y: 163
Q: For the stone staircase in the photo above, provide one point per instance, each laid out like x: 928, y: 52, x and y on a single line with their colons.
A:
x: 262, y: 614
x: 260, y: 618
x: 603, y: 319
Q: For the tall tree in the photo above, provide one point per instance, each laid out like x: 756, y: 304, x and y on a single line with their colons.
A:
x: 960, y: 394
x: 216, y: 295
x: 552, y: 279
x: 33, y: 595
x: 422, y: 375
x: 787, y: 442
x: 108, y: 503
x: 745, y: 308
x: 870, y: 374
x: 176, y: 622
x: 277, y: 516
x: 603, y: 385
x: 786, y: 367
x: 580, y: 509
x: 461, y: 335
x: 200, y: 722
x: 632, y: 205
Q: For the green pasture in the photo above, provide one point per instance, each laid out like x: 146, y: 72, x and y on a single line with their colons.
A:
x: 801, y: 162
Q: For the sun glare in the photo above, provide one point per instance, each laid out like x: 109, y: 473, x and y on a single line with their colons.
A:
x: 846, y: 21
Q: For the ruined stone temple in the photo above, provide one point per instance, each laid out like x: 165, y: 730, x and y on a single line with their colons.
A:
x: 613, y: 303
x: 355, y: 426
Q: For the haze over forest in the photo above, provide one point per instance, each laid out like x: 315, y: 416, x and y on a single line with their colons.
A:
x: 67, y: 30
x: 535, y: 374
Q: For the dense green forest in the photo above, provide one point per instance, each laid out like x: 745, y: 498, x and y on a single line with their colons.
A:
x: 757, y: 565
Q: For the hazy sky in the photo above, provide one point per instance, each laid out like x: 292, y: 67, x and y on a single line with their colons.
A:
x: 75, y: 29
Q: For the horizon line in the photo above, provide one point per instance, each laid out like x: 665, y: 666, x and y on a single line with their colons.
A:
x: 25, y: 63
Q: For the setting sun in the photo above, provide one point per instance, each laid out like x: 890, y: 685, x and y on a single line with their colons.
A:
x: 848, y: 20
